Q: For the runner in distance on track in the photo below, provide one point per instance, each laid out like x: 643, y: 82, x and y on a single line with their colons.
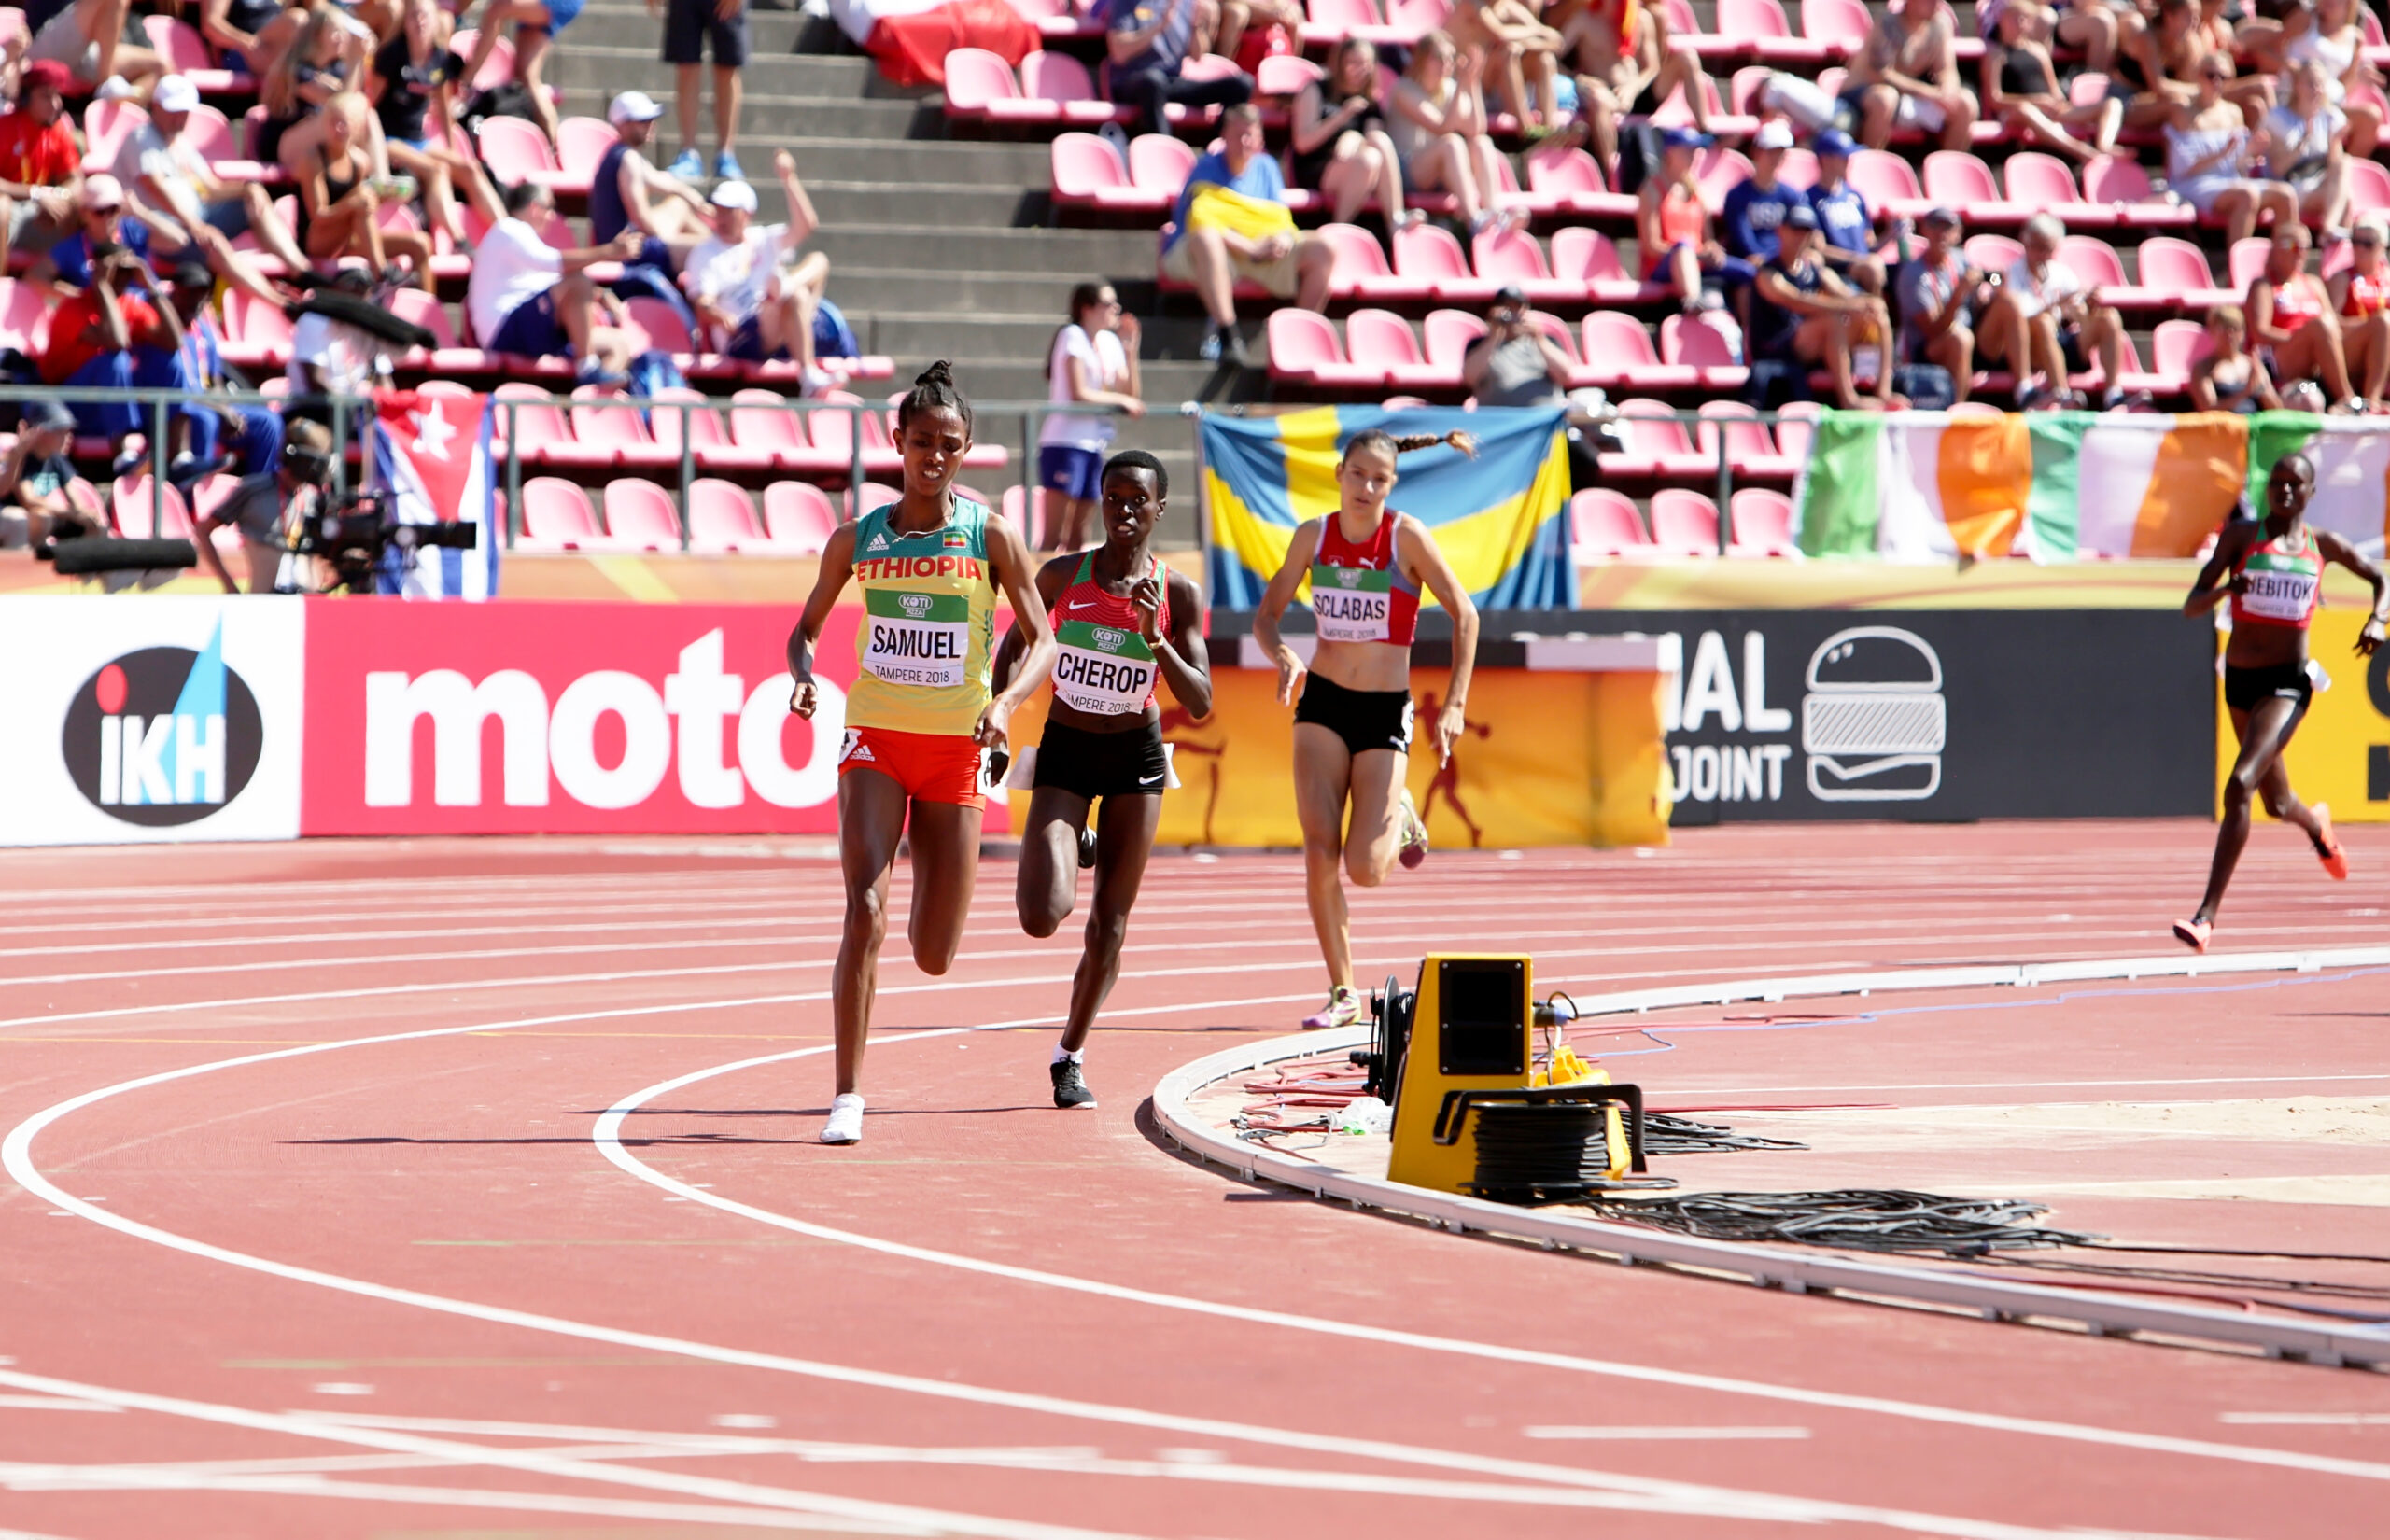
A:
x: 2271, y: 568
x: 1367, y: 565
x: 921, y: 711
x: 1123, y: 623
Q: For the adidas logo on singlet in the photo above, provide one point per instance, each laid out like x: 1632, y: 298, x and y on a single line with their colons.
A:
x: 880, y: 541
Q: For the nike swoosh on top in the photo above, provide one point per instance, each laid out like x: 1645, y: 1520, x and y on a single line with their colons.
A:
x: 1148, y: 780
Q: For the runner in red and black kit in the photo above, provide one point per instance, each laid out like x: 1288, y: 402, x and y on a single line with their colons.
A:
x: 1123, y: 623
x: 2276, y: 580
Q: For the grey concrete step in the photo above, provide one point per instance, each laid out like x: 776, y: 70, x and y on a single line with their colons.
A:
x: 1026, y: 337
x: 638, y: 65
x: 955, y: 204
x: 865, y: 282
x: 770, y: 34
x: 1067, y: 255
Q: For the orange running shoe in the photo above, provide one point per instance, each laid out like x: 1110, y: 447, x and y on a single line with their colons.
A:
x: 2327, y: 848
x: 2193, y: 933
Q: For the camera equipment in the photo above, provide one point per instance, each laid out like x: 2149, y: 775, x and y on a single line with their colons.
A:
x: 353, y: 531
x: 91, y: 555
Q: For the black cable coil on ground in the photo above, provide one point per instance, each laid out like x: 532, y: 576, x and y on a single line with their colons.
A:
x: 1554, y: 1152
x: 1856, y: 1219
x: 1664, y: 1134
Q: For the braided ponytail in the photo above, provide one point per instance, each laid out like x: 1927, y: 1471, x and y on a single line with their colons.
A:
x: 933, y: 390
x: 1378, y: 437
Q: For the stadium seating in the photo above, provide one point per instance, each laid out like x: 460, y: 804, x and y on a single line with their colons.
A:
x: 640, y: 515
x: 1761, y: 523
x: 1684, y: 522
x: 135, y: 517
x: 556, y: 517
x: 1602, y: 523
x: 722, y: 518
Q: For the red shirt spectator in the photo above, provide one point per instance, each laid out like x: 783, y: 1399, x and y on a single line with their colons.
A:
x: 76, y: 335
x: 34, y: 153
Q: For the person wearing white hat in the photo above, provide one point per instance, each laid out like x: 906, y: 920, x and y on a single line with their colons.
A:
x: 626, y: 190
x: 754, y: 295
x: 170, y: 187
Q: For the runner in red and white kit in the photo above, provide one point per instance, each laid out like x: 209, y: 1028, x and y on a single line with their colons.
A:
x: 1122, y: 624
x: 1367, y: 565
x: 2276, y: 580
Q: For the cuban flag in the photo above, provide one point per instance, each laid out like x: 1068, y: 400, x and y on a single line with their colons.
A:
x: 431, y: 455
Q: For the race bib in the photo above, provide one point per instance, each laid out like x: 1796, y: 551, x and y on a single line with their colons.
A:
x: 916, y: 639
x: 1105, y: 670
x: 2284, y: 592
x: 1352, y: 604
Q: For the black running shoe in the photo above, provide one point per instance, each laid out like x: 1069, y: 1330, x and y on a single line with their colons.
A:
x: 1070, y: 1085
x: 1087, y: 850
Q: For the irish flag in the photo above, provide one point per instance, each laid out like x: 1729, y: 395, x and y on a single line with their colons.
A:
x: 1932, y: 487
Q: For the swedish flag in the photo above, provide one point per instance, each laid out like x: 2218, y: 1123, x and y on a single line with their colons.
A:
x: 1497, y: 518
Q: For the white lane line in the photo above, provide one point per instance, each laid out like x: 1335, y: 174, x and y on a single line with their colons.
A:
x: 16, y: 1157
x: 2309, y: 1420
x: 54, y: 1403
x: 742, y: 1493
x: 1607, y: 1434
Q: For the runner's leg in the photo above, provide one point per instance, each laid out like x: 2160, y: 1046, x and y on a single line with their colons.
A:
x: 1323, y: 772
x: 946, y: 867
x: 1048, y: 884
x: 871, y: 820
x: 2263, y: 732
x: 1124, y: 840
x: 1376, y: 830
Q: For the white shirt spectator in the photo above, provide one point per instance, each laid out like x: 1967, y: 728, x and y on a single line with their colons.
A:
x: 2058, y: 281
x: 1106, y: 363
x: 2296, y: 138
x: 147, y: 152
x: 346, y: 360
x: 510, y: 266
x: 736, y: 279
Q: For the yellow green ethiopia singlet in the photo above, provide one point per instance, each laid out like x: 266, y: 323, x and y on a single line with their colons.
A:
x: 929, y: 617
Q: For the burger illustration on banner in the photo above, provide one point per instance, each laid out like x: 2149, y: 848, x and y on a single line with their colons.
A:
x: 1874, y: 722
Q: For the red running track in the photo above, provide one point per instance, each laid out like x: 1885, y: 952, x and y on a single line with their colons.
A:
x: 374, y: 1277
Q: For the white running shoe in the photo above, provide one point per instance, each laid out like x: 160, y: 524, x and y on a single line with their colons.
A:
x: 1414, y: 833
x: 846, y: 1120
x: 1343, y: 1009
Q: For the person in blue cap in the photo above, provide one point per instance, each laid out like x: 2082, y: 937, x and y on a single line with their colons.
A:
x: 1672, y: 225
x: 1845, y: 226
x: 1802, y: 314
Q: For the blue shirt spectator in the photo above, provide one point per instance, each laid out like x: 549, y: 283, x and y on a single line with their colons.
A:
x: 1260, y: 178
x: 72, y: 257
x: 1755, y: 208
x: 1167, y: 49
x: 1146, y: 42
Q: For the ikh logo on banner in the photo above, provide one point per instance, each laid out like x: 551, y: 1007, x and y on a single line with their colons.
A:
x: 164, y: 735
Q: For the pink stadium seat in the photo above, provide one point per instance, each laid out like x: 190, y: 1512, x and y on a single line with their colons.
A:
x: 1618, y: 351
x: 497, y: 69
x: 977, y: 83
x: 1841, y: 25
x: 1513, y: 256
x: 541, y: 435
x: 2247, y: 261
x: 1569, y: 181
x: 1994, y: 253
x: 256, y: 335
x: 2176, y: 346
x: 1412, y: 20
x: 1749, y: 450
x: 1656, y: 445
x: 640, y: 514
x: 798, y: 518
x: 1450, y: 334
x: 1285, y: 75
x: 1961, y: 180
x: 1602, y: 523
x: 24, y: 317
x: 662, y: 324
x: 2178, y: 269
x: 708, y: 445
x: 601, y: 421
x: 1796, y: 424
x: 1300, y: 344
x: 1691, y: 340
x: 1683, y: 523
x: 2369, y: 183
x: 1887, y: 182
x: 130, y: 507
x: 1761, y: 521
x: 515, y: 150
x: 811, y: 442
x: 1055, y: 86
x: 2119, y: 181
x: 722, y: 517
x: 1360, y: 272
x: 556, y: 517
x: 209, y: 495
x: 1761, y: 27
x: 1799, y: 168
x: 1088, y: 171
x: 1562, y: 336
x: 2096, y: 262
x: 1382, y: 342
x: 445, y: 357
x: 1717, y: 171
x: 581, y: 144
x: 1590, y: 259
x: 869, y: 495
x: 1158, y: 164
x: 2038, y: 182
x: 1674, y: 113
x: 106, y: 125
x: 1429, y: 253
x: 1333, y: 20
x: 2089, y: 89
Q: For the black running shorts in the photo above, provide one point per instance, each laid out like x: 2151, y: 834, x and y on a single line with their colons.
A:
x: 1102, y: 764
x: 2244, y: 688
x: 1364, y: 719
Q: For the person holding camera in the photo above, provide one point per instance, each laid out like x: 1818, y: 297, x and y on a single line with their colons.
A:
x: 117, y: 332
x: 1936, y: 291
x: 264, y: 508
x: 37, y: 481
x: 1516, y: 363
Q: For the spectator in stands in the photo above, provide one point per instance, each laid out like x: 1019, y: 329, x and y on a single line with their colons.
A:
x: 1093, y: 359
x: 1803, y: 315
x: 2360, y: 294
x: 1249, y: 30
x: 627, y: 190
x: 1344, y: 152
x: 87, y: 36
x: 2021, y: 85
x: 117, y: 332
x: 688, y: 25
x: 1672, y: 225
x: 2304, y: 143
x: 1522, y: 55
x: 2160, y: 65
x: 1845, y: 226
x: 1754, y: 209
x: 332, y: 357
x: 1437, y: 126
x: 1937, y: 290
x: 210, y: 438
x: 2228, y: 377
x: 526, y: 297
x: 37, y: 480
x: 535, y: 25
x: 340, y: 211
x: 2324, y: 33
x: 170, y: 187
x: 39, y: 163
x: 1147, y: 42
x: 2044, y: 325
x: 1626, y: 67
x: 2090, y: 26
x: 232, y: 28
x: 2294, y: 322
x: 326, y: 58
x: 2210, y: 154
x: 413, y: 83
x: 1516, y: 363
x: 1231, y: 223
x: 258, y: 507
x: 1906, y: 76
x: 754, y: 295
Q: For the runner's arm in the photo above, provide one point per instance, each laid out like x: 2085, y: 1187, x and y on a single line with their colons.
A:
x: 1417, y: 551
x: 1186, y: 662
x: 838, y: 566
x: 1009, y: 555
x: 2209, y: 588
x: 1280, y: 593
x: 2335, y: 548
x: 1053, y: 581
